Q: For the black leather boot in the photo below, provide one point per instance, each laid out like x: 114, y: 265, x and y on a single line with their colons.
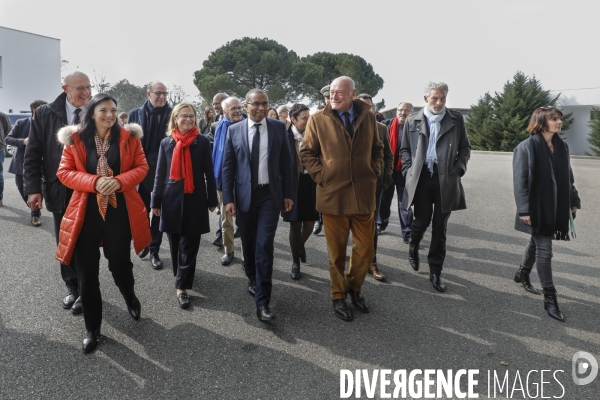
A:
x: 551, y: 305
x: 522, y: 276
x: 91, y: 341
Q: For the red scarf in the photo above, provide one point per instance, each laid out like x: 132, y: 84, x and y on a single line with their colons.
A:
x: 181, y: 165
x: 394, y: 144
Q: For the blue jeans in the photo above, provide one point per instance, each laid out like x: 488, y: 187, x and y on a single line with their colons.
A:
x: 2, y: 155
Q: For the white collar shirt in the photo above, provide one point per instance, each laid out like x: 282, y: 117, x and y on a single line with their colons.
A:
x: 71, y: 112
x: 263, y: 161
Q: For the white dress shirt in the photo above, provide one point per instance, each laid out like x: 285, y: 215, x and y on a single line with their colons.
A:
x: 263, y: 161
x: 71, y: 112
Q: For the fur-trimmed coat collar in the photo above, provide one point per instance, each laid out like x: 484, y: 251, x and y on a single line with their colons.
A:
x: 65, y: 134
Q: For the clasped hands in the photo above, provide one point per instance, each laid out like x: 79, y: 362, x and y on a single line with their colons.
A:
x: 107, y: 185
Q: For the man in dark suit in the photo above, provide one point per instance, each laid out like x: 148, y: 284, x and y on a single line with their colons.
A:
x: 153, y: 116
x: 42, y: 158
x: 18, y: 138
x: 257, y: 184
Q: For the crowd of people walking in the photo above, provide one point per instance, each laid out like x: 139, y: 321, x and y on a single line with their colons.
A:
x: 110, y: 178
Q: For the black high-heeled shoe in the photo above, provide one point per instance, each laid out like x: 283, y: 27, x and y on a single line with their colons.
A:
x: 522, y: 276
x: 551, y: 304
x: 91, y: 341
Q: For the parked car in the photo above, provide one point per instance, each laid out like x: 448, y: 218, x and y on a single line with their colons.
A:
x: 14, y: 117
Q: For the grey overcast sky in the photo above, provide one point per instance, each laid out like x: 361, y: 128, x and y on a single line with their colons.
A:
x: 473, y: 45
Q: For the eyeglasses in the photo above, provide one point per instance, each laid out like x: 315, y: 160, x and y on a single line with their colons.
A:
x: 234, y: 109
x: 216, y: 104
x: 256, y: 104
x: 81, y: 89
x: 158, y: 94
x: 400, y: 110
x: 184, y: 116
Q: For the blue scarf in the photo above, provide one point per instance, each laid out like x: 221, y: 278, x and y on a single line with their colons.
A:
x: 435, y: 124
x: 219, y: 146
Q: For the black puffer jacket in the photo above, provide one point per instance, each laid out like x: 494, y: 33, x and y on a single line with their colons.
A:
x: 43, y: 154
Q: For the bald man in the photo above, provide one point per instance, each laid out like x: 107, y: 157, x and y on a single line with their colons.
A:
x: 42, y: 157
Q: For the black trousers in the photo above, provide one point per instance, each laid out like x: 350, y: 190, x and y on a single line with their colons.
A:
x: 405, y: 216
x: 145, y: 191
x: 19, y: 182
x: 115, y: 234
x: 428, y: 207
x: 184, y: 250
x: 378, y: 195
x: 67, y: 272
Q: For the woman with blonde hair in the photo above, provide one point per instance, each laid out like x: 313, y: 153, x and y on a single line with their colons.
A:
x: 184, y: 191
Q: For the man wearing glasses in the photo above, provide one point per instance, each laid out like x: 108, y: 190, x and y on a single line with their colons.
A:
x: 153, y: 116
x: 42, y: 158
x: 396, y: 129
x: 343, y: 154
x: 257, y: 184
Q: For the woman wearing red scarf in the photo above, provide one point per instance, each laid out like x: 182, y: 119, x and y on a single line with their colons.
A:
x: 184, y: 191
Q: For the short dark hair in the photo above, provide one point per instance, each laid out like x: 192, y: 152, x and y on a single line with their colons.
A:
x: 274, y: 109
x: 297, y: 109
x: 88, y: 126
x: 253, y: 92
x: 538, y: 121
x: 36, y: 103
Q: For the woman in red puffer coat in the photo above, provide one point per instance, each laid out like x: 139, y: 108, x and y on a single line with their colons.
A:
x: 103, y: 163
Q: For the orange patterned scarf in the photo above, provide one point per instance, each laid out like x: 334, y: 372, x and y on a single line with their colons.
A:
x: 103, y: 169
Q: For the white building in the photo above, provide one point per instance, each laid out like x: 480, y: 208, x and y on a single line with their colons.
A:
x: 578, y: 133
x: 29, y: 69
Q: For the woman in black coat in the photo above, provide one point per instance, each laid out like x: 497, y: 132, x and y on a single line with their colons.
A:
x: 546, y: 198
x: 303, y: 214
x: 184, y: 191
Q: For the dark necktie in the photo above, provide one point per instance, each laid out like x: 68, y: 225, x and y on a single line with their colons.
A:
x: 77, y: 120
x: 255, y: 156
x: 348, y: 124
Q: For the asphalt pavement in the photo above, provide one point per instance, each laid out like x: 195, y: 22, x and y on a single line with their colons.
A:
x: 217, y: 349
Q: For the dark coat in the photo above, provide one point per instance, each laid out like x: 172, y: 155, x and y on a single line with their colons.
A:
x: 453, y: 153
x: 43, y: 153
x: 141, y: 117
x: 15, y: 138
x: 292, y: 215
x: 236, y: 173
x: 186, y: 214
x: 522, y: 179
x: 385, y: 176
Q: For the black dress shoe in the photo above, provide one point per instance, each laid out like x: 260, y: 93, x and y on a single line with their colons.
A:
x: 264, y: 314
x: 70, y: 299
x: 236, y: 233
x: 218, y: 242
x: 358, y: 301
x: 183, y: 299
x: 252, y: 288
x: 437, y: 282
x: 295, y: 274
x: 77, y: 309
x: 341, y: 310
x: 144, y: 252
x: 317, y: 228
x: 134, y: 307
x: 227, y: 258
x: 218, y: 211
x: 91, y: 341
x: 380, y: 230
x: 156, y: 261
x: 413, y: 256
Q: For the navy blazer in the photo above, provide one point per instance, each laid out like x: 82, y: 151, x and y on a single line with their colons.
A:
x: 15, y: 138
x: 185, y: 214
x: 236, y: 174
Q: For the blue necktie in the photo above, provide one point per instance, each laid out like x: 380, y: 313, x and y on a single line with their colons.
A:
x: 255, y: 156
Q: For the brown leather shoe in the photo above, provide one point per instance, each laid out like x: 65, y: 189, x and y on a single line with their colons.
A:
x: 35, y: 221
x: 374, y: 271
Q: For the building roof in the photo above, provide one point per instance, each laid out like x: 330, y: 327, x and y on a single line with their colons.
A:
x: 29, y: 33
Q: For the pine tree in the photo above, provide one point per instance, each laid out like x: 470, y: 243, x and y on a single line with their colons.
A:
x: 499, y: 123
x: 594, y: 137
